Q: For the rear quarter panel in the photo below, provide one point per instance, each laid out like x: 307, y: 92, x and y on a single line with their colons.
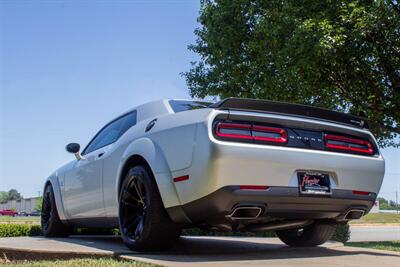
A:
x: 176, y: 136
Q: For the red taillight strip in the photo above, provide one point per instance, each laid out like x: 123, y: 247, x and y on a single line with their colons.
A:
x: 251, y: 128
x: 181, y: 178
x: 253, y: 187
x: 362, y: 193
x: 369, y: 150
x: 265, y: 129
x: 222, y: 125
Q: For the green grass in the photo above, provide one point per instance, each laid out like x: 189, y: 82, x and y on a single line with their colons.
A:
x: 21, y: 220
x: 378, y: 218
x: 77, y: 262
x: 385, y: 245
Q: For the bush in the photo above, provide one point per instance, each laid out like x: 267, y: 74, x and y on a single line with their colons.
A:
x: 342, y: 233
x: 12, y: 230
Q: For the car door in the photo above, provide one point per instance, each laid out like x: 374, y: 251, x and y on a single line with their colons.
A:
x: 83, y: 188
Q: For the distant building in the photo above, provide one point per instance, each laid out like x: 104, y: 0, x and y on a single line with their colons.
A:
x: 27, y: 205
x: 375, y: 207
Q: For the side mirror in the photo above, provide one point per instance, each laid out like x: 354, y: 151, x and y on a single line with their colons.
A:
x: 74, y: 148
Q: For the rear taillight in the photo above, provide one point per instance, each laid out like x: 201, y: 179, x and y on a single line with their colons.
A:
x: 348, y: 144
x: 251, y: 132
x: 234, y: 130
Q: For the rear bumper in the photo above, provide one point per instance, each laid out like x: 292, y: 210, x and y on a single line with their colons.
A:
x: 276, y: 203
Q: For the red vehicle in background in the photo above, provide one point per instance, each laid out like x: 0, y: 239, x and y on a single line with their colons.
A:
x: 8, y: 213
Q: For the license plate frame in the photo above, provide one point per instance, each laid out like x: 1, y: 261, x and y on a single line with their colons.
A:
x: 314, y: 183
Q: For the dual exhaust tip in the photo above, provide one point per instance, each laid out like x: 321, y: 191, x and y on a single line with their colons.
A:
x: 245, y: 213
x: 354, y: 214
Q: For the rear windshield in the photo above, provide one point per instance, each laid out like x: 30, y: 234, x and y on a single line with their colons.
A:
x: 184, y: 105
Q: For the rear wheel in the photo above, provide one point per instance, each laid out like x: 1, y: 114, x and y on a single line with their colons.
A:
x: 50, y: 221
x: 144, y: 223
x: 309, y: 236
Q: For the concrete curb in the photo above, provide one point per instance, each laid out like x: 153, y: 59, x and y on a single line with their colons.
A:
x: 40, y: 248
x: 26, y: 254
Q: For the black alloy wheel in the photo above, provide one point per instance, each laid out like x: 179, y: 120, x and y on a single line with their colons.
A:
x: 143, y: 220
x: 46, y: 209
x: 51, y: 224
x: 133, y: 208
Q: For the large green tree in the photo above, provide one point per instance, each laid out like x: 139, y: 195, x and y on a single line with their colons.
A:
x: 342, y: 55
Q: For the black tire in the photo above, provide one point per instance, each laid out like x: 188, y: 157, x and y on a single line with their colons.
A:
x: 50, y: 221
x: 312, y: 235
x: 143, y: 220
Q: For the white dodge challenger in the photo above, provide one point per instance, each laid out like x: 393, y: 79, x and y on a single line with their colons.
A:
x: 236, y: 165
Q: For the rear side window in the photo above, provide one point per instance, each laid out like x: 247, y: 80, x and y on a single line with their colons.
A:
x: 130, y: 120
x: 111, y: 132
x: 183, y: 105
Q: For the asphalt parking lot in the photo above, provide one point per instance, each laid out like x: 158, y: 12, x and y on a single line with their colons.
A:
x: 201, y: 251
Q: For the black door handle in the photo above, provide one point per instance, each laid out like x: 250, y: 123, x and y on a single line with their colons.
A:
x: 100, y: 155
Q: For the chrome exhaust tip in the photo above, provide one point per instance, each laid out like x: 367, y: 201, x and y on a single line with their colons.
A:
x: 245, y: 213
x: 354, y: 214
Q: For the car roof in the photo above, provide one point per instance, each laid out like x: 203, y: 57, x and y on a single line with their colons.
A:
x: 154, y: 108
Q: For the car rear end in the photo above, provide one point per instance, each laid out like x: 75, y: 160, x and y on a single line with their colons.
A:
x: 259, y: 162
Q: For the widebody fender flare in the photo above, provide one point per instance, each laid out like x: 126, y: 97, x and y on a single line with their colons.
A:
x: 54, y: 181
x: 152, y: 153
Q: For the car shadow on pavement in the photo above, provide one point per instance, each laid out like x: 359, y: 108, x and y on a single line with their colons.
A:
x: 200, y: 249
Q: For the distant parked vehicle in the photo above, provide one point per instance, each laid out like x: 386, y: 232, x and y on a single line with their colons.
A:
x: 22, y: 213
x: 8, y: 213
x: 34, y: 213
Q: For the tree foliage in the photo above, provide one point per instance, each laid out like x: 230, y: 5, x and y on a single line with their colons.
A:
x: 13, y: 194
x: 3, y: 196
x: 382, y: 200
x: 342, y: 55
x: 39, y: 205
x: 385, y: 204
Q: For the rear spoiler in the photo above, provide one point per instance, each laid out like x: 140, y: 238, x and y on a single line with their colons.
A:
x: 282, y: 108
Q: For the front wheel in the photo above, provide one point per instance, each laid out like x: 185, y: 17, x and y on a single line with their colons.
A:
x: 50, y: 221
x: 309, y: 236
x: 144, y: 223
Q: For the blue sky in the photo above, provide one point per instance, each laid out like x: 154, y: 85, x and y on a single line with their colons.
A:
x: 68, y: 68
